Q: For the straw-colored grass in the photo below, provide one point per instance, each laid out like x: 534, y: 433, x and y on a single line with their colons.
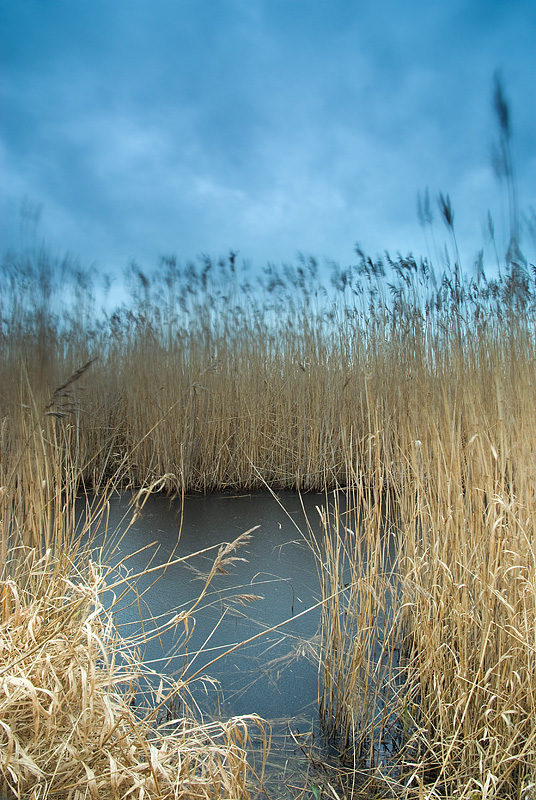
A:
x: 429, y: 650
x: 68, y: 726
x: 413, y: 395
x: 80, y: 714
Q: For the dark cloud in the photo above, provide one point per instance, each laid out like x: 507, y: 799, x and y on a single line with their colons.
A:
x: 263, y: 125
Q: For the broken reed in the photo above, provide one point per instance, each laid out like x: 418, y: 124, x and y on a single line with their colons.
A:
x: 69, y: 728
x: 418, y: 393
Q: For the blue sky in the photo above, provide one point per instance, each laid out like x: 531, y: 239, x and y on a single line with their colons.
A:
x: 143, y: 128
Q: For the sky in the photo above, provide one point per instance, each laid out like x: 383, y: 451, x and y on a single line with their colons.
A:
x: 134, y: 129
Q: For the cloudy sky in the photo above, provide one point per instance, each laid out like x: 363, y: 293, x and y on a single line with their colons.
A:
x: 146, y: 127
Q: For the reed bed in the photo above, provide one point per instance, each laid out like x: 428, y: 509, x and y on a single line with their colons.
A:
x: 410, y: 392
x: 428, y: 651
x: 81, y: 716
x: 218, y: 388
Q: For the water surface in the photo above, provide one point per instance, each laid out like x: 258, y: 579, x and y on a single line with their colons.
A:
x: 276, y: 676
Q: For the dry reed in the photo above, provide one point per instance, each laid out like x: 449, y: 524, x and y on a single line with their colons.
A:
x: 79, y: 712
x: 416, y: 395
x: 68, y: 726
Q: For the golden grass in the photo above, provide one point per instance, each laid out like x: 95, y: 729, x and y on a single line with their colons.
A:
x: 429, y: 650
x: 417, y: 399
x: 80, y: 714
x: 447, y: 532
x: 68, y: 726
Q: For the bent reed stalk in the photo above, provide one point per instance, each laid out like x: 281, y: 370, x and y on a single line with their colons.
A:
x: 414, y: 396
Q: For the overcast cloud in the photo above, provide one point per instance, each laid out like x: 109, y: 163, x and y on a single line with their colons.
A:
x: 263, y: 126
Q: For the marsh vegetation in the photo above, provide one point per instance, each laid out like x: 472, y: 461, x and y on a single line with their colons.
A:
x: 406, y: 390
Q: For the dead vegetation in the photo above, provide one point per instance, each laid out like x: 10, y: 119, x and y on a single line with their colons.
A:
x: 412, y: 394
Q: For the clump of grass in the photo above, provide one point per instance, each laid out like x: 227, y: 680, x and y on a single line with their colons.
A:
x: 469, y: 599
x: 455, y: 700
x: 79, y: 712
x: 68, y: 726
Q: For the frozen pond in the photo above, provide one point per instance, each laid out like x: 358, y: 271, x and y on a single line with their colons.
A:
x: 276, y: 676
x: 270, y: 592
